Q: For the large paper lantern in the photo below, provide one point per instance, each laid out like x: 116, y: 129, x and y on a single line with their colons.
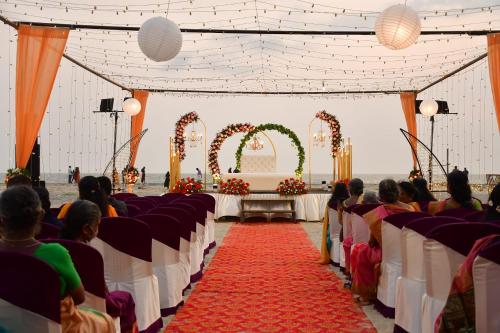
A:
x: 397, y: 27
x: 160, y: 39
x: 131, y: 106
x: 428, y: 107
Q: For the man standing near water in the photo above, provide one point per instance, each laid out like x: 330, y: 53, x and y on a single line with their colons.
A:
x: 70, y: 175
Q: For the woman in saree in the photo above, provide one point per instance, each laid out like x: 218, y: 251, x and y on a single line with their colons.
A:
x: 20, y: 216
x: 338, y: 196
x: 81, y: 225
x: 89, y: 189
x: 408, y: 194
x: 460, y: 194
x: 366, y: 257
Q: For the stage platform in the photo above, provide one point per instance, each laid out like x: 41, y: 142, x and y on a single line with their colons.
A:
x: 308, y: 207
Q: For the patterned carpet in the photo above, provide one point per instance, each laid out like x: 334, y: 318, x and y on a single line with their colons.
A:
x: 265, y: 278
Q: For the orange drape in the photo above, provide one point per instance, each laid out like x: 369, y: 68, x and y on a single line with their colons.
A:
x: 494, y: 65
x: 39, y: 53
x: 137, y: 121
x: 408, y: 104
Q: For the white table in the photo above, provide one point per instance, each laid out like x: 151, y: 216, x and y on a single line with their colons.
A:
x: 308, y: 207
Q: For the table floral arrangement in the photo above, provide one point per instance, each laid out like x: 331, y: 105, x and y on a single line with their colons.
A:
x: 292, y: 186
x: 234, y: 186
x: 14, y: 172
x: 188, y: 186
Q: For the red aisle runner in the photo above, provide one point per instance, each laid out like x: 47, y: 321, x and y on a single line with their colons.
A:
x: 265, y: 278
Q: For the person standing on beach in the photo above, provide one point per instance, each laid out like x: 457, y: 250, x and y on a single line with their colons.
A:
x: 199, y: 175
x: 166, y: 184
x: 143, y: 175
x: 76, y: 175
x: 70, y: 175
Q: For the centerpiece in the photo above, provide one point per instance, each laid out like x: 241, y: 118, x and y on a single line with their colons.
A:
x: 235, y: 186
x: 131, y: 177
x: 292, y: 186
x: 188, y: 186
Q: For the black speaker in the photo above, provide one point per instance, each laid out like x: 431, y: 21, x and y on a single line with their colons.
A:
x: 106, y: 104
x: 442, y: 107
x: 34, y: 163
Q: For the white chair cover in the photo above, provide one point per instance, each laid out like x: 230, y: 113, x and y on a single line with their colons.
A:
x: 333, y: 220
x: 14, y: 319
x: 486, y: 275
x: 209, y: 231
x: 441, y: 263
x: 410, y: 286
x: 391, y: 264
x: 185, y: 263
x: 197, y: 249
x: 167, y: 269
x: 360, y: 230
x: 127, y: 273
x: 99, y: 304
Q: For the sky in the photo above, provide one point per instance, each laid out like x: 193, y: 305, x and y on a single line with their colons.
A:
x: 72, y: 135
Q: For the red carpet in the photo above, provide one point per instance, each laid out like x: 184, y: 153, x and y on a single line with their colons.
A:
x: 265, y: 278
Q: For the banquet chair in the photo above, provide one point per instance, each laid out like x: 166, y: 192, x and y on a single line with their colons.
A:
x: 392, y: 226
x: 486, y: 270
x: 125, y: 245
x: 124, y: 196
x: 445, y: 250
x: 144, y: 204
x: 476, y: 216
x: 335, y: 227
x: 189, y: 252
x: 48, y: 231
x: 172, y: 196
x: 167, y: 267
x: 360, y: 228
x: 202, y: 206
x: 410, y: 286
x: 347, y: 232
x: 133, y: 210
x: 456, y: 212
x: 28, y: 304
x: 156, y: 198
x: 210, y: 203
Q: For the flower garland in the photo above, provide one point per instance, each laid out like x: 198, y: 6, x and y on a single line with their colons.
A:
x: 131, y: 175
x: 180, y: 125
x: 415, y: 173
x: 283, y: 130
x: 14, y: 172
x: 187, y: 186
x: 334, y: 129
x: 219, y: 140
x: 292, y: 186
x: 235, y: 186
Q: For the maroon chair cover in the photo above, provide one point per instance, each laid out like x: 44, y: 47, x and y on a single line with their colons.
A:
x: 350, y: 208
x: 491, y: 252
x: 456, y: 212
x: 173, y: 195
x: 333, y: 204
x: 144, y: 205
x: 200, y: 205
x: 127, y: 235
x: 185, y: 217
x: 462, y: 236
x: 199, y: 211
x: 208, y: 199
x: 55, y: 211
x: 426, y: 224
x: 164, y: 229
x: 133, y: 210
x: 48, y: 231
x: 31, y: 284
x: 156, y: 198
x: 124, y: 195
x: 399, y: 220
x: 476, y: 216
x: 365, y: 208
x: 88, y: 263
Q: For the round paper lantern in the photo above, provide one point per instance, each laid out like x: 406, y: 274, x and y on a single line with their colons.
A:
x: 428, y: 107
x: 131, y: 106
x: 397, y: 27
x: 160, y: 39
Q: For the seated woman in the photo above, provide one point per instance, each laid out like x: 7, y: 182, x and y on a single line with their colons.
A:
x: 20, y: 215
x: 339, y: 194
x: 366, y: 257
x: 81, y: 224
x: 408, y: 194
x: 493, y: 211
x: 43, y: 194
x: 423, y: 193
x: 460, y: 194
x: 89, y: 189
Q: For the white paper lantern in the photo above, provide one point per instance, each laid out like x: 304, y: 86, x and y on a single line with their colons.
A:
x: 132, y: 107
x: 397, y: 27
x: 160, y: 39
x: 428, y: 107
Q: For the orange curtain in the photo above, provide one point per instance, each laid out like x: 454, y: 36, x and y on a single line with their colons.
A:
x: 137, y: 121
x: 39, y: 53
x: 494, y: 65
x: 408, y: 104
